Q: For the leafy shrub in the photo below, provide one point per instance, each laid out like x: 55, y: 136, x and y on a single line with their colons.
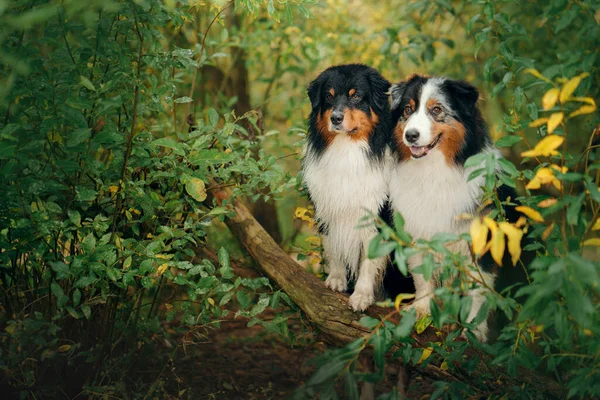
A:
x: 104, y: 205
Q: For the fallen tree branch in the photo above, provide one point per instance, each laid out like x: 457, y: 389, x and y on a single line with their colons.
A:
x: 338, y: 324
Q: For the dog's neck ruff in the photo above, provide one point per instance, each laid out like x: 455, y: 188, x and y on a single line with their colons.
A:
x: 430, y: 194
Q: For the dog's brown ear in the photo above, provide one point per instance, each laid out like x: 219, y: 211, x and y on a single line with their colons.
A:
x: 396, y: 92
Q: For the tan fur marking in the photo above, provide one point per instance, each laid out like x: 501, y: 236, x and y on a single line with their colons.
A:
x: 399, y: 138
x: 360, y: 121
x: 323, y: 126
x: 332, y: 92
x: 351, y: 92
x: 431, y: 103
x: 452, y: 140
x: 412, y: 104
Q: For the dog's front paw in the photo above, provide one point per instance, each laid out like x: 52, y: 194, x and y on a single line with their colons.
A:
x: 359, y: 301
x: 336, y: 283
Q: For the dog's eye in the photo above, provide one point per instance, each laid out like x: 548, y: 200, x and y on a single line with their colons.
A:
x: 355, y: 97
x: 407, y: 110
x: 328, y: 97
x: 436, y: 110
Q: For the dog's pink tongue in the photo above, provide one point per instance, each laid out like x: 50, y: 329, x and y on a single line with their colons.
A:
x: 418, y: 151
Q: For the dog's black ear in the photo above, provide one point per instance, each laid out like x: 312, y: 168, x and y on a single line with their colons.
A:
x: 379, y: 91
x: 464, y: 93
x: 396, y: 92
x: 314, y: 91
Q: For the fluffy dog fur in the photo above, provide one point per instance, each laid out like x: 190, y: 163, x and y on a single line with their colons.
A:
x: 438, y: 126
x: 345, y: 169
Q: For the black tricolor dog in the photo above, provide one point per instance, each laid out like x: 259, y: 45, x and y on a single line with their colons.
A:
x: 438, y: 127
x: 345, y: 169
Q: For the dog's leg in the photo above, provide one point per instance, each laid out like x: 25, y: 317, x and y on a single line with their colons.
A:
x: 478, y: 296
x: 336, y: 280
x: 368, y: 276
x: 423, y: 288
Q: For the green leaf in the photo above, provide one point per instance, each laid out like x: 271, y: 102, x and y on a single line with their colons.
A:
x: 369, y: 322
x: 423, y: 323
x: 86, y: 310
x: 224, y: 257
x: 170, y: 144
x: 195, y: 187
x: 183, y: 100
x: 85, y: 82
x: 508, y: 141
x: 406, y: 324
x: 243, y: 299
x: 351, y: 388
x: 76, y: 297
x: 574, y: 209
x: 260, y: 306
x: 213, y: 117
x: 74, y: 217
x: 78, y: 136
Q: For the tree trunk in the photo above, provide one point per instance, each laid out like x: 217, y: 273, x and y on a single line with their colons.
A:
x: 264, y: 211
x: 329, y: 313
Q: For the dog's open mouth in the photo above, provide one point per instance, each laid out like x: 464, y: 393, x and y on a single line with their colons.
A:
x: 339, y: 129
x: 422, y: 151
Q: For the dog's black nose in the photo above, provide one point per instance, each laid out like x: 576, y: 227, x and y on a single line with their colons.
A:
x: 337, y: 117
x: 411, y: 135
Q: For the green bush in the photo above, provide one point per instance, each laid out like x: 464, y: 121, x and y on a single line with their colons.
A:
x: 104, y: 201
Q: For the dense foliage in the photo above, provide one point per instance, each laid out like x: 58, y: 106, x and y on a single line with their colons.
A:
x: 118, y: 117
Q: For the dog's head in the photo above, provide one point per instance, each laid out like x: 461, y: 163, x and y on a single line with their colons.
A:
x: 348, y: 100
x: 437, y: 114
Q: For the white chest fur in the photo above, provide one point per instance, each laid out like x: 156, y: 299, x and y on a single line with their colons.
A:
x: 345, y: 185
x: 344, y: 182
x: 430, y: 194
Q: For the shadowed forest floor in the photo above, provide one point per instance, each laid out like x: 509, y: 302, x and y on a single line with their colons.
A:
x: 241, y: 362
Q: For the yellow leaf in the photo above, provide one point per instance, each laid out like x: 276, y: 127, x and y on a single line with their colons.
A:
x: 547, y: 203
x: 113, y: 189
x: 444, y: 366
x: 547, y: 231
x: 587, y: 100
x: 422, y: 323
x: 570, y: 87
x: 588, y: 332
x: 11, y: 329
x: 64, y: 347
x: 596, y: 225
x: 479, y: 232
x: 314, y: 240
x: 538, y: 122
x: 521, y: 222
x: 592, y: 242
x: 549, y: 99
x: 554, y: 120
x: 531, y: 213
x: 211, y: 301
x: 161, y: 270
x: 587, y: 109
x: 497, y: 246
x: 401, y: 297
x: 425, y: 355
x: 544, y: 176
x: 545, y: 147
x: 514, y: 236
x: 537, y: 74
x: 127, y: 263
x: 196, y: 188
